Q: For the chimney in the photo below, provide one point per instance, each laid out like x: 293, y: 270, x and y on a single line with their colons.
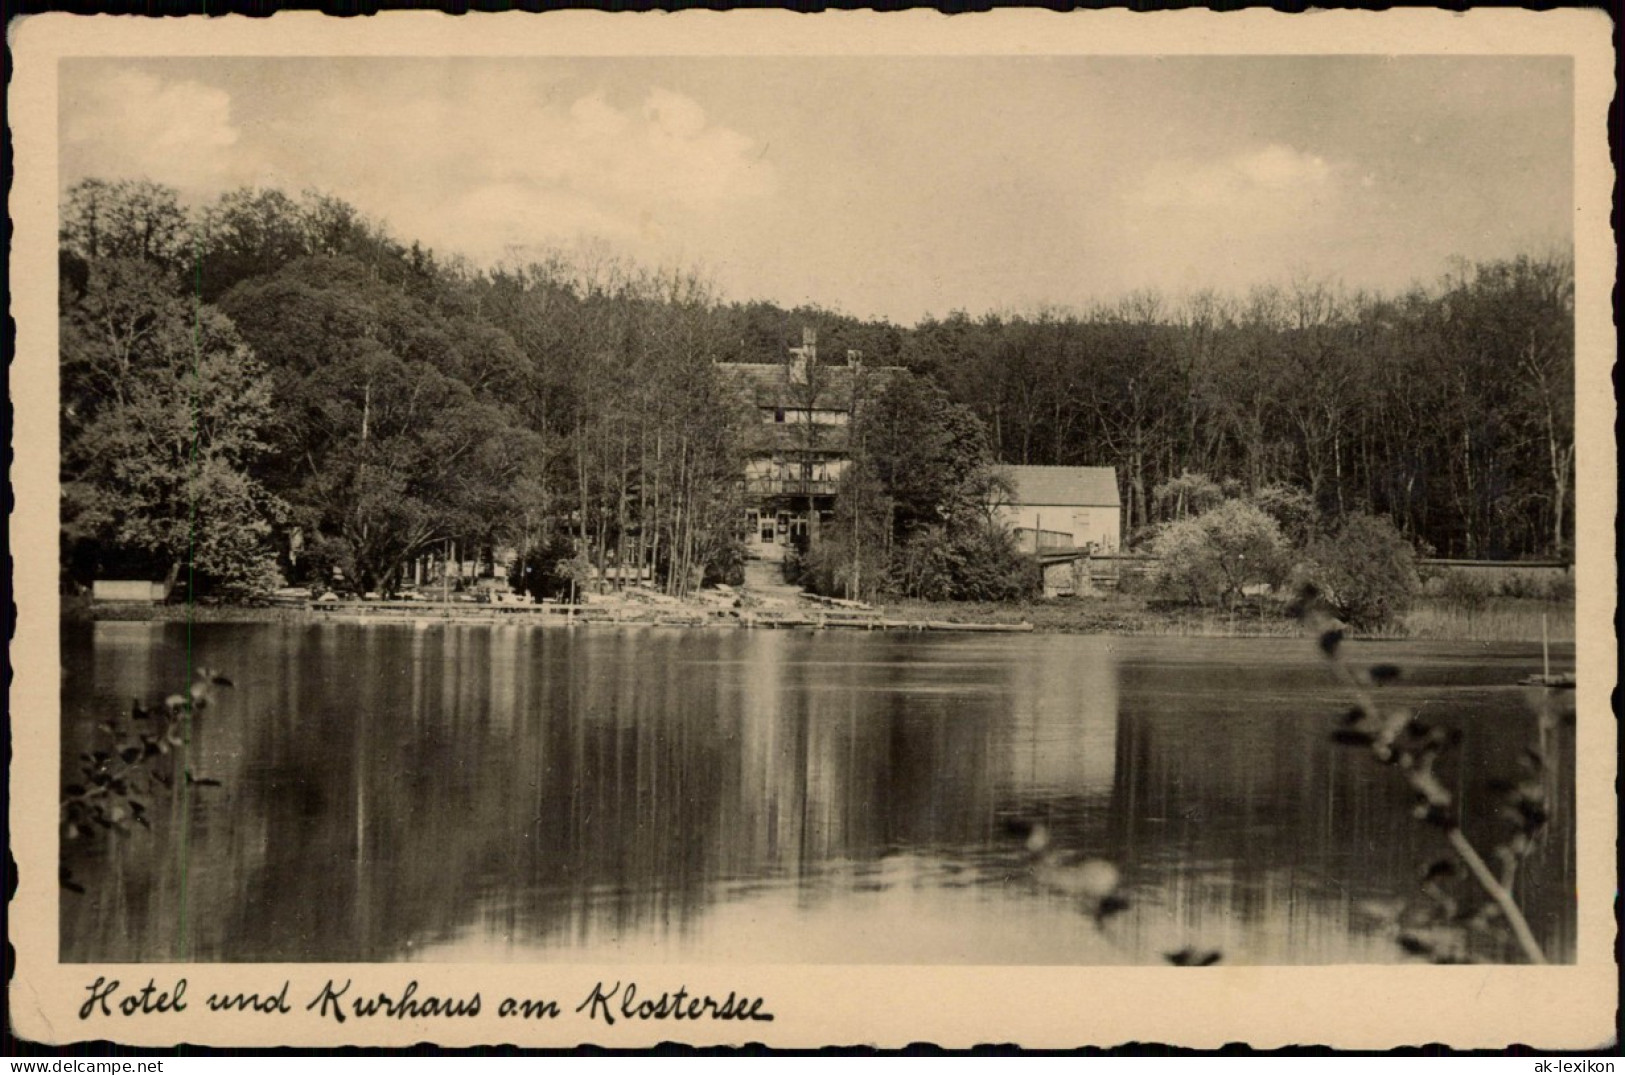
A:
x: 804, y: 356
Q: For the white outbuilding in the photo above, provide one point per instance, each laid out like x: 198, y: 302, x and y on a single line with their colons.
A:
x: 1054, y: 503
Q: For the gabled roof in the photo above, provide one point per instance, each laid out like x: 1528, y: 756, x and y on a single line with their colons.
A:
x: 831, y: 387
x: 1084, y: 487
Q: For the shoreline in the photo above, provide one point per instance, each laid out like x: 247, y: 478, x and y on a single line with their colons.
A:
x: 1496, y: 620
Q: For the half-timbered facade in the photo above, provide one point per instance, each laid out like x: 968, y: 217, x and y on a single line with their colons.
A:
x: 800, y: 444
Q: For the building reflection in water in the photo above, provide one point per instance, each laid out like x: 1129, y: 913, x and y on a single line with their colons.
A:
x: 502, y: 793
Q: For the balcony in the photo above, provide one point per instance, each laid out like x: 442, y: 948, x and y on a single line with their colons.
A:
x: 757, y: 485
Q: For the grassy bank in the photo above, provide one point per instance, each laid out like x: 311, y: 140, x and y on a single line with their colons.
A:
x: 1116, y: 614
x: 81, y: 610
x: 1499, y: 619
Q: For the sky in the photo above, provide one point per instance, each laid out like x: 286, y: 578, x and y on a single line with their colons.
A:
x: 882, y: 187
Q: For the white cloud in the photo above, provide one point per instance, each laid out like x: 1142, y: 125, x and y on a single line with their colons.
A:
x: 474, y: 167
x: 674, y: 115
x: 1237, y: 220
x: 479, y: 178
x: 1271, y: 172
x: 665, y: 155
x: 595, y: 118
x: 1278, y: 167
x: 131, y: 123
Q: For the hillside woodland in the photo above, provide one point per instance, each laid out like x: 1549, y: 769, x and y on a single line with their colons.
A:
x: 274, y: 386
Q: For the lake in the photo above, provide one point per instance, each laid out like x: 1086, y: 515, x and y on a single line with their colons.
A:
x: 479, y: 793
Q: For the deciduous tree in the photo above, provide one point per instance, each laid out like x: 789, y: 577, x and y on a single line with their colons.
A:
x: 163, y: 412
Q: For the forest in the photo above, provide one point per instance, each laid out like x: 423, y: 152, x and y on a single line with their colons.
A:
x: 271, y: 387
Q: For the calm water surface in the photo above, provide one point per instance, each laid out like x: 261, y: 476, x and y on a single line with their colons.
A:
x: 496, y: 793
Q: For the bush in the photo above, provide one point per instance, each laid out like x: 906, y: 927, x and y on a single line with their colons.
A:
x: 1215, y: 556
x: 1187, y: 495
x: 1366, y: 572
x: 971, y: 564
x: 254, y: 580
x: 1134, y: 578
x: 547, y: 569
x: 726, y: 565
x: 1463, y: 590
x: 1292, y: 509
x: 1561, y: 589
x: 994, y: 568
x: 828, y: 567
x: 325, y: 554
x: 1538, y: 587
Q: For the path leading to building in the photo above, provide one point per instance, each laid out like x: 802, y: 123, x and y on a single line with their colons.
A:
x: 765, y: 578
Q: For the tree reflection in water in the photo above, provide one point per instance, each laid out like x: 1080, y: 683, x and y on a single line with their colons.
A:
x: 503, y: 793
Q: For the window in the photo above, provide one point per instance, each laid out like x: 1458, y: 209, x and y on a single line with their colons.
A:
x: 778, y: 414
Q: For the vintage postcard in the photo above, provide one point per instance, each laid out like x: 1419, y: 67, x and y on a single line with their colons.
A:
x: 727, y: 528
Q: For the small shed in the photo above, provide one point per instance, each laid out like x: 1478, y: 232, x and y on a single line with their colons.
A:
x: 131, y: 590
x: 1082, y: 502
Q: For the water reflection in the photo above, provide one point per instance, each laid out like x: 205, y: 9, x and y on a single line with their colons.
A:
x: 478, y: 793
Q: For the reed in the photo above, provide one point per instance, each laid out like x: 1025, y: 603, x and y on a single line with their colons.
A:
x: 1495, y: 619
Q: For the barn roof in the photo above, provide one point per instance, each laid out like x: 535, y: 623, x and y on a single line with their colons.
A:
x: 1093, y: 487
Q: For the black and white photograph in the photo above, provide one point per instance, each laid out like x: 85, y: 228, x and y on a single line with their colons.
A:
x: 1119, y: 513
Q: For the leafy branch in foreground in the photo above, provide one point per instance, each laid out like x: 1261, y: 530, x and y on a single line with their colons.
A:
x: 138, y: 761
x: 1445, y: 927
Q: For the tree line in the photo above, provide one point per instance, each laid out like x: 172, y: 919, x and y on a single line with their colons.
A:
x: 277, y: 385
x: 274, y: 386
x: 1449, y: 409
